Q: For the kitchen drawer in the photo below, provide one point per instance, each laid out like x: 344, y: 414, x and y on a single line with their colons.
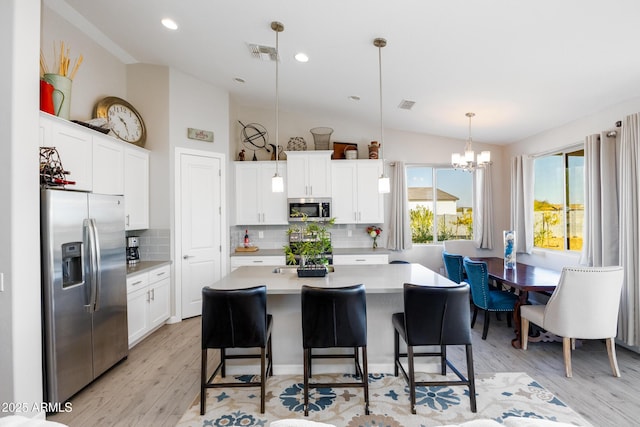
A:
x: 360, y: 259
x: 240, y: 261
x: 136, y: 282
x: 160, y: 273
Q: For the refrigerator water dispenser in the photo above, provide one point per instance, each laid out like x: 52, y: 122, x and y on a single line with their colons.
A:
x: 71, y: 264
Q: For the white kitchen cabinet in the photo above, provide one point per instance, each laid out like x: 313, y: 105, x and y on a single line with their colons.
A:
x: 309, y: 173
x: 74, y: 146
x: 136, y: 188
x: 240, y: 261
x: 360, y: 259
x: 355, y: 195
x: 108, y: 165
x: 148, y: 302
x: 255, y: 202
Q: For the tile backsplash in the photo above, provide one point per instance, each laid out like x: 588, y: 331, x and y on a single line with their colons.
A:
x: 275, y: 236
x: 155, y: 244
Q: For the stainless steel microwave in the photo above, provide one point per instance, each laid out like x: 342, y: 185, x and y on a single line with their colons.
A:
x: 309, y: 209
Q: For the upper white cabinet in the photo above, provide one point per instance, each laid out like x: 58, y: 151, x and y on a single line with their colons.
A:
x: 355, y: 193
x: 101, y: 164
x: 74, y: 146
x: 108, y: 165
x: 136, y: 188
x: 309, y: 173
x: 255, y: 202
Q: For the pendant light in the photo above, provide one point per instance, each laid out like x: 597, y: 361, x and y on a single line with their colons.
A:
x: 384, y: 185
x: 277, y: 182
x: 467, y: 161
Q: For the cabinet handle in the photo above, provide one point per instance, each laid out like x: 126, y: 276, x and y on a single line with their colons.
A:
x: 360, y: 260
x: 153, y: 294
x: 359, y: 216
x: 188, y: 256
x: 257, y: 261
x: 127, y: 219
x: 148, y: 296
x: 311, y: 190
x: 258, y: 216
x: 136, y: 283
x: 160, y: 274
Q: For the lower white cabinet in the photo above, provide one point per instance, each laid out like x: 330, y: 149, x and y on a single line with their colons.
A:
x: 360, y: 259
x: 148, y: 302
x: 240, y: 261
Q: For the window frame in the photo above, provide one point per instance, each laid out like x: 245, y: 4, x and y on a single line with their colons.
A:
x: 434, y: 169
x: 565, y: 152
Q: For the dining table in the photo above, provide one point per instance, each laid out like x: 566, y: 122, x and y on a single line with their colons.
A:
x: 524, y: 279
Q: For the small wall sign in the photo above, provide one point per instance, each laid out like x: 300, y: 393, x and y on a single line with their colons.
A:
x: 200, y: 135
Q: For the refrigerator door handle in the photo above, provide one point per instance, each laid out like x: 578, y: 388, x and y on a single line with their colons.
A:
x: 89, y: 254
x: 97, y: 276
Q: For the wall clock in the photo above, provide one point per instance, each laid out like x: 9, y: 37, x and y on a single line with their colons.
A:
x: 126, y: 122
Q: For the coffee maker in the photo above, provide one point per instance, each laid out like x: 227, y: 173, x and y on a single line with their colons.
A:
x: 133, y: 250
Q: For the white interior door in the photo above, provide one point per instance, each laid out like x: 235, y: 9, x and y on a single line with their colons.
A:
x: 200, y: 255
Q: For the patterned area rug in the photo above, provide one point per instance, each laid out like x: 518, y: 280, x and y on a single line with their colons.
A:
x: 499, y: 396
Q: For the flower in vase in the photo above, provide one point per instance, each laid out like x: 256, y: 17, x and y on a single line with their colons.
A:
x: 374, y: 231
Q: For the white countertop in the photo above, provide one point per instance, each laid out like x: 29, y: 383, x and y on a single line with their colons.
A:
x: 378, y: 278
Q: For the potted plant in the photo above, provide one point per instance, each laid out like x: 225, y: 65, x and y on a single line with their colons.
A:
x: 309, y: 242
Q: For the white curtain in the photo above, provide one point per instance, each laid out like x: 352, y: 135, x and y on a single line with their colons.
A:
x: 522, y: 202
x: 600, y: 247
x: 483, y: 211
x: 629, y: 322
x: 399, y: 230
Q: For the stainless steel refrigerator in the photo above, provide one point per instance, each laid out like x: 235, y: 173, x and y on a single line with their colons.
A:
x: 83, y: 288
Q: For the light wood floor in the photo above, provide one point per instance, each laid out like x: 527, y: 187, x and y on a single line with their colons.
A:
x: 160, y: 378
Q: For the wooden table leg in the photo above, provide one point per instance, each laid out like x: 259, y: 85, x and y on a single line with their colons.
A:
x: 522, y: 300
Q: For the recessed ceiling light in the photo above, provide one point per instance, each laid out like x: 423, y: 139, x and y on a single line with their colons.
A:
x: 169, y: 23
x: 301, y: 57
x: 354, y: 98
x: 239, y: 80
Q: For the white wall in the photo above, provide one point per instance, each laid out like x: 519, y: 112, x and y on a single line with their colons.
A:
x: 20, y: 326
x: 100, y: 74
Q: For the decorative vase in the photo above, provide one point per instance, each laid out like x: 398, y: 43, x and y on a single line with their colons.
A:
x: 375, y: 242
x: 373, y: 150
x: 321, y: 137
x: 509, y: 249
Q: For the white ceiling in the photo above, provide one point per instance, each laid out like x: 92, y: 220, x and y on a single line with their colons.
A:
x: 522, y: 66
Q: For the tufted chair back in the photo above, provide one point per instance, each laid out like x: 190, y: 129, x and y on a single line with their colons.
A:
x: 478, y: 279
x: 454, y: 266
x: 586, y: 302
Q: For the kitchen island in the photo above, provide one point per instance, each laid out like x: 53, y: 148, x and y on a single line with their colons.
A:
x: 384, y: 288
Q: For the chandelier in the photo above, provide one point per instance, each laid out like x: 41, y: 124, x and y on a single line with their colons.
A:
x: 468, y: 161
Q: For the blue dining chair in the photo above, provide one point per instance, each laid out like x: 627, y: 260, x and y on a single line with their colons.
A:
x: 484, y: 298
x: 454, y: 266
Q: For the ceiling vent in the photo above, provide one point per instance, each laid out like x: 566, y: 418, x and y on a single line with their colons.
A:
x: 406, y: 105
x: 264, y: 53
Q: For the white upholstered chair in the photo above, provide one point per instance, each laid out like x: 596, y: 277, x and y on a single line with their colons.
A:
x: 584, y: 305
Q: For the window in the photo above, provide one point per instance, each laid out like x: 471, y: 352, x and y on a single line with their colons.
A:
x: 558, y: 206
x: 440, y: 203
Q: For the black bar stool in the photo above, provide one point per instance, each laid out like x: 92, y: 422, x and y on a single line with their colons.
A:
x: 235, y: 319
x: 434, y: 315
x: 334, y: 318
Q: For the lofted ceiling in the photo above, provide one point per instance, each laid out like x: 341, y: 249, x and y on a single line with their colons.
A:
x: 522, y: 66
